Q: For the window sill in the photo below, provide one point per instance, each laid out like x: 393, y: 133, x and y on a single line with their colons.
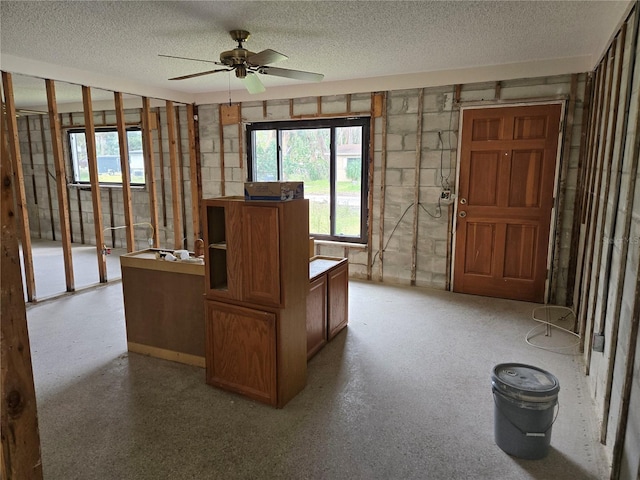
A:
x: 335, y: 243
x: 87, y: 186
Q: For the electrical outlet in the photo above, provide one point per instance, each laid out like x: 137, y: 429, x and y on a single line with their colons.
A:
x: 598, y: 342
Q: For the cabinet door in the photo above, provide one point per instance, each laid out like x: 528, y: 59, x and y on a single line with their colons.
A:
x: 338, y: 299
x: 316, y: 315
x: 241, y: 350
x: 261, y: 242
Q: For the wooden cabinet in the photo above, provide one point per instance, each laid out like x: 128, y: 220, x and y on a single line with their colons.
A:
x: 316, y: 315
x: 163, y: 307
x: 241, y: 346
x: 256, y: 286
x: 328, y: 301
x: 337, y: 299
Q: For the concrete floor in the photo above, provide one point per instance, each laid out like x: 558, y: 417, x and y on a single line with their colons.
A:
x: 403, y: 393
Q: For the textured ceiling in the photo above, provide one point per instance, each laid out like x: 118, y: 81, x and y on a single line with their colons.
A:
x: 357, y: 45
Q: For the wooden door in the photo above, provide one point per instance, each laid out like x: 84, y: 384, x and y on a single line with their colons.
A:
x: 505, y: 198
x: 261, y: 236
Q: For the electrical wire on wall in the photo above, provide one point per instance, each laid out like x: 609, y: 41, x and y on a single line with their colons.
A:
x: 444, y: 185
x: 548, y: 324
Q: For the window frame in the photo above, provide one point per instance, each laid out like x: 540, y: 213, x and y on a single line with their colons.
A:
x: 331, y: 123
x: 84, y: 183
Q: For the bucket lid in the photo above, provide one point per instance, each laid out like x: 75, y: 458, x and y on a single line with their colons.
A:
x: 525, y: 382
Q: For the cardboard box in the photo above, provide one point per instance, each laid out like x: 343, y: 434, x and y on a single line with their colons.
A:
x: 273, y: 191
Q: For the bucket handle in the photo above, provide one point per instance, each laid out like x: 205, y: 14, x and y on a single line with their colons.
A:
x: 527, y: 434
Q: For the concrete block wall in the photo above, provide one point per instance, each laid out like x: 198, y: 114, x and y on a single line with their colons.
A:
x: 437, y: 170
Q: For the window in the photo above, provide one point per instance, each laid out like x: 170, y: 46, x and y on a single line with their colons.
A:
x: 108, y: 156
x: 331, y: 157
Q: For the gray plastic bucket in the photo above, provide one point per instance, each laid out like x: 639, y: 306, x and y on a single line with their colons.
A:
x: 524, y: 398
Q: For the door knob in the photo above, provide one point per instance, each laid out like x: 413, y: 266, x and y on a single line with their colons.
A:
x: 462, y: 214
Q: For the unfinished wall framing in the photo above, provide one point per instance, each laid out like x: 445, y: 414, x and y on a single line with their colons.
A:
x: 607, y: 236
x: 107, y: 217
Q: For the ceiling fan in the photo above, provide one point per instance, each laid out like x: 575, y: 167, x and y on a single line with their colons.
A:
x: 247, y: 64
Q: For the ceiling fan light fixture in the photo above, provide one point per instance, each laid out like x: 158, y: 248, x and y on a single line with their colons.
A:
x: 241, y: 71
x: 247, y: 64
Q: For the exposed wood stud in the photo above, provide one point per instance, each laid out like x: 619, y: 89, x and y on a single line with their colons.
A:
x: 349, y: 103
x: 240, y: 142
x: 33, y: 177
x: 90, y: 135
x: 61, y: 118
x: 18, y: 411
x: 18, y: 183
x: 607, y: 183
x: 264, y: 109
x: 383, y: 188
x: 291, y: 107
x: 585, y: 210
x: 79, y: 199
x: 575, y: 228
x: 591, y: 267
x: 416, y: 186
x: 195, y: 177
x: 594, y: 141
x: 456, y: 98
x: 147, y: 149
x: 126, y: 175
x: 566, y: 159
x: 497, y: 90
x: 328, y: 115
x: 221, y: 137
x: 175, y: 181
x: 319, y: 105
x: 372, y: 131
x: 181, y: 169
x: 47, y: 173
x: 111, y: 218
x: 589, y: 168
x: 163, y: 193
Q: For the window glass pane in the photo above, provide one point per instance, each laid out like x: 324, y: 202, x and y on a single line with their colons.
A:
x: 265, y: 156
x: 78, y: 144
x: 136, y: 158
x: 306, y: 157
x: 108, y: 156
x: 348, y: 180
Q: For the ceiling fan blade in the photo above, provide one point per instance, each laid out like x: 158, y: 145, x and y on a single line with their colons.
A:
x: 193, y: 75
x: 295, y: 74
x: 192, y: 59
x: 253, y: 84
x: 266, y: 56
